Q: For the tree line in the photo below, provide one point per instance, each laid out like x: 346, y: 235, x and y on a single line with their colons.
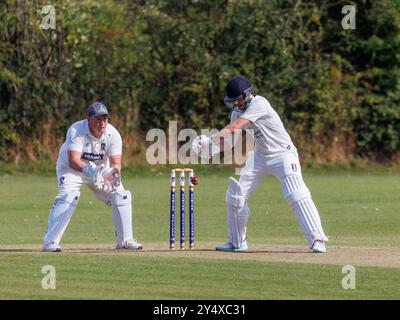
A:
x: 337, y: 89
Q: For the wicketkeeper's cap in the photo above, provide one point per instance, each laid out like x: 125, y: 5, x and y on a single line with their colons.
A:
x: 97, y: 109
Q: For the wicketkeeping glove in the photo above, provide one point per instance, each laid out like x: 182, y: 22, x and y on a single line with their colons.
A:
x: 111, y: 179
x: 92, y: 172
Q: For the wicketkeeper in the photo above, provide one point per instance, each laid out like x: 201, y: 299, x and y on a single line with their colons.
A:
x: 274, y: 154
x: 91, y: 155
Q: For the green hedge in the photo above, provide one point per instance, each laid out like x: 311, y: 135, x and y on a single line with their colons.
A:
x: 337, y: 90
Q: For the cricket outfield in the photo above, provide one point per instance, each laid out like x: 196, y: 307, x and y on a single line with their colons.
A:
x: 359, y: 212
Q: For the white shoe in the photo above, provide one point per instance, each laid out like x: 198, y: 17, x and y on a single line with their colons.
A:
x: 51, y: 247
x: 131, y: 244
x: 319, y: 247
x: 228, y: 247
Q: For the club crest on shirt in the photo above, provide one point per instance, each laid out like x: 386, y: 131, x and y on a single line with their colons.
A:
x: 61, y: 181
x: 103, y: 146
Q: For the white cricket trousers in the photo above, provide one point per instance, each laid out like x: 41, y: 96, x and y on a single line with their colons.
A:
x: 69, y: 185
x: 286, y: 168
x: 69, y: 180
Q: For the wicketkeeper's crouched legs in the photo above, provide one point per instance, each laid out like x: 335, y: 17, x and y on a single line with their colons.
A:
x: 299, y: 199
x: 60, y: 215
x: 122, y: 216
x: 121, y: 206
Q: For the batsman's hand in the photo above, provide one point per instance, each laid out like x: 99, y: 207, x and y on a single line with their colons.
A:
x: 201, y: 142
x: 204, y: 147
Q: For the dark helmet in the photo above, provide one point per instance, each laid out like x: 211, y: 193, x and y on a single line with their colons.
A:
x: 237, y: 87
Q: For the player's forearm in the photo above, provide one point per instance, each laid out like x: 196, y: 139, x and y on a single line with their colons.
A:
x: 226, y: 133
x: 116, y: 162
x: 77, y: 164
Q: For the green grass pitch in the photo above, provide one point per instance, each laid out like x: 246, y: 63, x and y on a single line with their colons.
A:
x: 359, y: 212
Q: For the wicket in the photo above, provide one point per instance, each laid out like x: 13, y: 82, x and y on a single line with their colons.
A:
x: 182, y: 208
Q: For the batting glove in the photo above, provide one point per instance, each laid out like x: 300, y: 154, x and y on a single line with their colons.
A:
x: 204, y: 147
x: 200, y: 142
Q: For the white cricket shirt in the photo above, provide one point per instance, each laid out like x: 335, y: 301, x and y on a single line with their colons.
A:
x: 270, y: 136
x: 80, y: 139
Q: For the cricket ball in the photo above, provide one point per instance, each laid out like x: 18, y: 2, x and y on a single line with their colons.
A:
x: 195, y: 180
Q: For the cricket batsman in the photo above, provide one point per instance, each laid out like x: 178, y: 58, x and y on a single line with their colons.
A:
x: 91, y: 155
x: 274, y: 154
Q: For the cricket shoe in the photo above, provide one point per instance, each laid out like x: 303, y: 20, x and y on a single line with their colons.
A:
x: 51, y: 247
x: 228, y: 247
x: 131, y: 244
x: 318, y: 247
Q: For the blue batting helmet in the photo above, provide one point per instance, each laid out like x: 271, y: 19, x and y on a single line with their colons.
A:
x: 237, y: 87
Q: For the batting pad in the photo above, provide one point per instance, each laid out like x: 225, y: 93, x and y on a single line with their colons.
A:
x: 121, y: 204
x: 299, y: 199
x: 60, y: 215
x: 237, y: 213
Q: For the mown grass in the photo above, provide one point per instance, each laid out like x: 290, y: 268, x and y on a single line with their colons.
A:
x: 130, y: 277
x: 356, y: 210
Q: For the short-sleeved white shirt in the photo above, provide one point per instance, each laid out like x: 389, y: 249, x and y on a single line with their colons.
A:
x: 269, y: 133
x: 98, y: 151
